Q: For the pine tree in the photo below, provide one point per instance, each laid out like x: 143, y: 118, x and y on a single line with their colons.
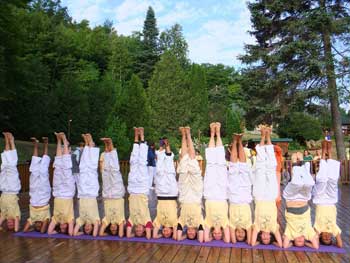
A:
x: 172, y: 40
x: 150, y: 52
x: 169, y: 97
x: 292, y: 65
x: 198, y: 92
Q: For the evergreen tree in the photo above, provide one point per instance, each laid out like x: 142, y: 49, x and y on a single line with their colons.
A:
x: 137, y: 109
x: 169, y: 97
x: 150, y: 52
x: 198, y: 92
x: 172, y: 40
x: 292, y: 64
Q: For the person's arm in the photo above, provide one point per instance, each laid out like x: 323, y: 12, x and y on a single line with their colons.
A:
x: 179, y: 236
x: 206, y: 234
x: 254, y: 237
x: 75, y: 230
x: 278, y: 237
x: 121, y: 230
x: 174, y: 233
x: 233, y: 235
x: 200, y: 236
x: 339, y: 241
x: 148, y: 232
x: 16, y: 224
x: 286, y: 242
x: 227, y: 234
x: 1, y: 221
x: 249, y: 235
x: 129, y: 232
x: 102, y: 230
x: 314, y: 243
x: 27, y: 227
x: 44, y: 226
x: 95, y: 226
x: 51, y: 229
x: 156, y: 234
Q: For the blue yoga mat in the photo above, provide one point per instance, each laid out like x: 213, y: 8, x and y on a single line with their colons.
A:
x: 328, y: 249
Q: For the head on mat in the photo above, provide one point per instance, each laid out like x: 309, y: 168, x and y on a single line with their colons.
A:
x: 299, y: 241
x: 217, y: 233
x: 167, y: 232
x: 139, y: 230
x: 326, y: 238
x: 10, y: 223
x: 266, y: 238
x: 113, y: 229
x: 88, y: 228
x: 191, y: 233
x: 63, y: 228
x: 38, y: 225
x: 241, y: 234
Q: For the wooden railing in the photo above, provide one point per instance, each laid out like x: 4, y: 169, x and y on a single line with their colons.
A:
x: 24, y: 173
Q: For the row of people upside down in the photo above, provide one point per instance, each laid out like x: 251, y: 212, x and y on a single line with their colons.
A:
x: 228, y: 192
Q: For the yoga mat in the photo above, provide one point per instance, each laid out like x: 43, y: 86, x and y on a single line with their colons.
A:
x: 328, y: 249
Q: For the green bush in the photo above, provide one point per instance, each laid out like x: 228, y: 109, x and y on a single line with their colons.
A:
x: 301, y: 127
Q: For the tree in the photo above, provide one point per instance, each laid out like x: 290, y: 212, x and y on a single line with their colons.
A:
x: 198, y: 95
x: 173, y: 41
x: 150, y: 52
x: 137, y: 109
x: 168, y: 96
x: 292, y: 65
x: 290, y: 127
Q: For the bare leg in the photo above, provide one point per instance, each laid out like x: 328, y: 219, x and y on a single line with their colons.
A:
x: 241, y: 153
x: 46, y: 145
x: 233, y: 157
x: 35, y: 144
x: 136, y: 135
x: 59, y: 144
x: 11, y: 141
x: 110, y: 144
x: 329, y: 149
x: 85, y: 139
x: 90, y: 141
x: 191, y: 151
x: 184, y: 149
x: 142, y: 134
x: 105, y: 143
x: 167, y: 146
x: 268, y: 135
x: 218, y: 134
x: 212, y: 135
x: 7, y: 144
x: 324, y: 149
x: 262, y: 132
x: 65, y: 143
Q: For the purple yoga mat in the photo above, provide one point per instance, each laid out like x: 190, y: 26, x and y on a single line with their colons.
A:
x: 328, y: 249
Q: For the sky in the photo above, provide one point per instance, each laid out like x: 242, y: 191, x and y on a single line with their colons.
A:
x: 215, y: 31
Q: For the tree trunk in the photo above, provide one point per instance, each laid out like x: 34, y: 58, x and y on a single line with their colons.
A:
x: 333, y: 92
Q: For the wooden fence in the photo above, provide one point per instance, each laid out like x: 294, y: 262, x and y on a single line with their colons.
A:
x: 24, y: 173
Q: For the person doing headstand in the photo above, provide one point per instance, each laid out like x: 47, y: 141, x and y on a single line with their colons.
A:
x: 39, y: 189
x: 113, y: 192
x: 239, y: 193
x: 265, y: 190
x: 215, y: 189
x: 190, y: 186
x: 139, y: 223
x: 9, y: 185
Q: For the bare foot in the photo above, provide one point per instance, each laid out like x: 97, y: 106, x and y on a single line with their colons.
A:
x: 212, y: 128
x: 300, y: 156
x: 217, y: 127
x: 45, y: 140
x: 182, y: 129
x: 238, y: 136
x: 34, y: 140
x: 58, y: 136
x: 294, y: 158
x: 188, y: 130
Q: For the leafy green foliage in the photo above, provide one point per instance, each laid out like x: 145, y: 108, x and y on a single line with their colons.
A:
x: 301, y: 127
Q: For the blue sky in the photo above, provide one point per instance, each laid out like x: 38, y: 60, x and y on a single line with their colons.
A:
x: 215, y: 30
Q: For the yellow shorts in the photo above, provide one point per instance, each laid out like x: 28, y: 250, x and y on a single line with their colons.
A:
x: 88, y: 211
x: 216, y: 214
x: 38, y: 213
x: 166, y: 214
x: 191, y: 215
x: 240, y: 216
x: 63, y: 211
x: 9, y: 208
x: 139, y: 211
x: 114, y: 211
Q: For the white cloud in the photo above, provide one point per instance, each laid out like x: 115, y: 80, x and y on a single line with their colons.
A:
x: 220, y: 41
x: 91, y: 10
x: 134, y: 8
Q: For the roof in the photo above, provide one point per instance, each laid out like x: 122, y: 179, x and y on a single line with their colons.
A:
x: 276, y: 140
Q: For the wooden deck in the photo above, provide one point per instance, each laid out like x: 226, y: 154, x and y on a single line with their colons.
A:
x: 16, y: 249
